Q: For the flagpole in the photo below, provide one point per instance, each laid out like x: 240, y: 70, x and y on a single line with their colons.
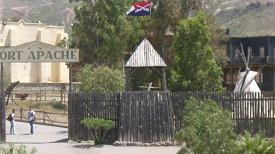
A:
x: 151, y: 8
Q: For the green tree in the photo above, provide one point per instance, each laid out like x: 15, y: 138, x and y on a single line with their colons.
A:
x: 194, y: 67
x: 220, y: 39
x: 207, y: 129
x: 103, y: 32
x: 189, y: 6
x: 106, y: 35
x: 101, y: 79
x: 164, y: 17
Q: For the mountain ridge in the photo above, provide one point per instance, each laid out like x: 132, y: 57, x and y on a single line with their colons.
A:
x: 53, y: 12
x: 244, y: 18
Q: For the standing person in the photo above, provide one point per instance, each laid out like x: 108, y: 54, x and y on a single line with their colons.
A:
x: 31, y: 118
x: 12, y: 122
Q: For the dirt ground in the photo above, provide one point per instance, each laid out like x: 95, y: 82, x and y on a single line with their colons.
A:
x: 53, y: 140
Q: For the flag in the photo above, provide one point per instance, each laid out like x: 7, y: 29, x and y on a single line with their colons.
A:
x: 140, y: 9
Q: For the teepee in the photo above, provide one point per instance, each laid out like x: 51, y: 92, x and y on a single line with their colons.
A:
x: 246, y: 83
x: 246, y: 80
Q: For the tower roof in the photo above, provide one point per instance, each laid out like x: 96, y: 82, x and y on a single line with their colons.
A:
x: 145, y: 56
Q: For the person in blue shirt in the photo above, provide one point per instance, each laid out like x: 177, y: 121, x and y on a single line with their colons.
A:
x: 31, y: 119
x: 12, y: 122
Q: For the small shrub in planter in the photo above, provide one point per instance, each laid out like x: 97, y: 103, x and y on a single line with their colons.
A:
x: 207, y: 129
x: 98, y: 128
x: 248, y: 144
x: 12, y: 149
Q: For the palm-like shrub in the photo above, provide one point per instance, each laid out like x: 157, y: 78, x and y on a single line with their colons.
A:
x: 12, y: 149
x: 248, y: 144
x: 98, y: 128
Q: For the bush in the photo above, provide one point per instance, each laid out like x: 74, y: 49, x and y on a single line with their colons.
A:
x: 36, y: 105
x: 255, y: 145
x: 98, y: 128
x: 21, y: 149
x: 101, y: 79
x: 59, y: 106
x: 207, y: 129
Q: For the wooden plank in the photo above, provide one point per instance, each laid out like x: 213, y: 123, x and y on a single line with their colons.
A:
x: 121, y: 119
x: 130, y: 124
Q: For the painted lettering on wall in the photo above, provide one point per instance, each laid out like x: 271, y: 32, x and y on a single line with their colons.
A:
x: 70, y: 55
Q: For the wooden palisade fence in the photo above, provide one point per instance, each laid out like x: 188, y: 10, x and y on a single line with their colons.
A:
x: 155, y: 116
x: 93, y: 105
x: 145, y: 117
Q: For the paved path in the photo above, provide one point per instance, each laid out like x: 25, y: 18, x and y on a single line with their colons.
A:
x: 53, y: 140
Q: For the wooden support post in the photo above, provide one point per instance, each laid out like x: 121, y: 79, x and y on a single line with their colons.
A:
x: 70, y: 77
x: 269, y: 50
x: 45, y: 95
x: 21, y: 113
x: 70, y: 122
x: 61, y: 96
x: 163, y: 79
x: 44, y: 117
x: 2, y: 109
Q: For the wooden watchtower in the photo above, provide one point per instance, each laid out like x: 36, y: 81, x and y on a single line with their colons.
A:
x: 145, y: 56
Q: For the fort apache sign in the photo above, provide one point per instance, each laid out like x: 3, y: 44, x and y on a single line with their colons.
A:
x: 40, y: 56
x: 38, y: 52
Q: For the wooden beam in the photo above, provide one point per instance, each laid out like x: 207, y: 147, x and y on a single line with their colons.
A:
x: 163, y: 79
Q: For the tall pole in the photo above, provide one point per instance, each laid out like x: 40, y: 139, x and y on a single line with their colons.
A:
x: 163, y: 74
x: 70, y: 77
x: 2, y: 110
x: 70, y: 123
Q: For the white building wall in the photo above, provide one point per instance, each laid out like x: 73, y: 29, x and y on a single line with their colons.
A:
x: 64, y: 75
x: 20, y: 72
x: 16, y: 33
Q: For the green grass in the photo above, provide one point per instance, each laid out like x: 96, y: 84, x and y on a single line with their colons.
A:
x: 55, y: 107
x: 59, y: 106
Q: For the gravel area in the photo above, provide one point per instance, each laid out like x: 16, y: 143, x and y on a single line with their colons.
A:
x: 53, y: 140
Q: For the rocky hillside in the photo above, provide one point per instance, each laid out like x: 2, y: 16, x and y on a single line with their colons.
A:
x: 245, y: 17
x: 55, y: 12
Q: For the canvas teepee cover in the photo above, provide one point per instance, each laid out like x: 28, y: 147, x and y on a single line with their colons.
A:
x: 246, y: 82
